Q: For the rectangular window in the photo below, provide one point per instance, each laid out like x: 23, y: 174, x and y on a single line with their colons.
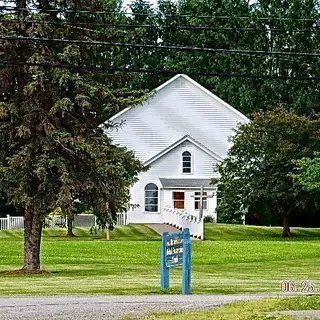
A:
x: 178, y: 200
x: 186, y: 167
x: 151, y: 204
x: 197, y: 201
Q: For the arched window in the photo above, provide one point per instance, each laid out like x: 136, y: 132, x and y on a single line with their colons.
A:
x: 151, y: 197
x: 186, y: 162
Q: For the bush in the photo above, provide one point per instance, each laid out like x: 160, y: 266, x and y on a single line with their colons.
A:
x: 208, y: 219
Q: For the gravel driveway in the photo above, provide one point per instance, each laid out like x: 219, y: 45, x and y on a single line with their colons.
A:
x: 107, y: 307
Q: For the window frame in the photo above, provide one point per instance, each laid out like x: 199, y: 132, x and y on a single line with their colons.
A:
x: 156, y: 189
x: 197, y: 200
x: 174, y: 200
x: 186, y: 154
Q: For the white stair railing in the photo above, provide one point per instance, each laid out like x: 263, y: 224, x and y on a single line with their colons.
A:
x: 182, y: 219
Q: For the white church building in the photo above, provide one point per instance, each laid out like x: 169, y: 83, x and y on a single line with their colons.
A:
x: 180, y: 132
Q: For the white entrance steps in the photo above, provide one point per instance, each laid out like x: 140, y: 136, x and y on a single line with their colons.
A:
x: 161, y: 228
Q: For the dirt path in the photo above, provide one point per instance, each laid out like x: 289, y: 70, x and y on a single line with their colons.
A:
x: 161, y: 228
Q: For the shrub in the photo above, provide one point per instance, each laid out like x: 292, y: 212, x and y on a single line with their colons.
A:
x: 209, y: 219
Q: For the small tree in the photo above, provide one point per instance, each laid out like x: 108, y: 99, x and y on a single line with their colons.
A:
x: 260, y: 163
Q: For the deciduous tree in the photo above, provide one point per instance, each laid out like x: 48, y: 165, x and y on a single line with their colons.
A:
x: 260, y: 163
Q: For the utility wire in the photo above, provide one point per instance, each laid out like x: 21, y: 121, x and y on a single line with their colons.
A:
x: 156, y: 71
x: 163, y: 47
x: 161, y: 15
x: 136, y: 26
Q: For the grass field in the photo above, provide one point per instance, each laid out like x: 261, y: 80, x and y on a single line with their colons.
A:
x: 233, y: 259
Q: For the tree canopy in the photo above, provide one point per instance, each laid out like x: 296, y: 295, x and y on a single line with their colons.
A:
x: 308, y: 173
x: 280, y: 67
x: 259, y: 166
x: 250, y: 81
x: 54, y: 149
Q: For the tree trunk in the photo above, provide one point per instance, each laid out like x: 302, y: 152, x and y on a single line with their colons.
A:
x: 32, y: 241
x: 286, y: 233
x: 70, y: 219
x: 107, y: 232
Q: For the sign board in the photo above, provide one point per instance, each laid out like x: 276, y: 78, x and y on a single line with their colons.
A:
x: 176, y: 251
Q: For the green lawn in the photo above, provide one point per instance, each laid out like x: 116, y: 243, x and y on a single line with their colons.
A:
x: 227, y: 232
x: 233, y: 259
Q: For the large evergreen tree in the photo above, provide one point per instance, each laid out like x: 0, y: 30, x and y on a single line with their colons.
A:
x: 53, y: 147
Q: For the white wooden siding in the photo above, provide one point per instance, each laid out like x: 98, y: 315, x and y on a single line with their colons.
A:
x: 178, y: 109
x: 189, y: 201
x: 170, y: 166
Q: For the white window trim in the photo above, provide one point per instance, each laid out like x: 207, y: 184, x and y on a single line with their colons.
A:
x: 181, y: 162
x: 184, y: 200
x: 144, y: 200
x: 194, y: 202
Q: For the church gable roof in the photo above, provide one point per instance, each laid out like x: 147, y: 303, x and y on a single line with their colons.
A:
x: 206, y: 91
x: 177, y: 108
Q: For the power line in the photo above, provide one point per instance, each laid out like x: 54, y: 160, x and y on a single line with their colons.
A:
x: 156, y: 71
x: 136, y: 26
x: 163, y: 47
x: 7, y: 8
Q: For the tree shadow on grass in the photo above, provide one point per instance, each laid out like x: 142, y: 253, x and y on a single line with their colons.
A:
x: 24, y: 272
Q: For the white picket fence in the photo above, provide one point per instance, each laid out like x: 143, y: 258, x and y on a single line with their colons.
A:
x: 122, y: 219
x: 11, y: 223
x: 81, y: 220
x: 182, y: 219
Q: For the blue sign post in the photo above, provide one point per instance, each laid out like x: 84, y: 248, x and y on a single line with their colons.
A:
x: 176, y: 251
